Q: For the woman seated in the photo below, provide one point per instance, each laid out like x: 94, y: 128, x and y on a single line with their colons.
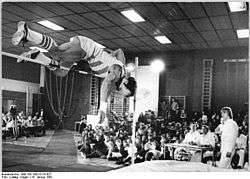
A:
x: 127, y: 144
x: 109, y: 144
x: 241, y: 148
x: 117, y: 151
x: 150, y: 148
x: 140, y: 156
x: 99, y: 149
x: 84, y: 146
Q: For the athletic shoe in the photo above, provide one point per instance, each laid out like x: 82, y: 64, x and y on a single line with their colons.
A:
x: 30, y: 54
x: 20, y: 36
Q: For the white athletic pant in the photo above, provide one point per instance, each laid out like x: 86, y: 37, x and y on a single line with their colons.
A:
x: 225, y: 162
x: 241, y: 153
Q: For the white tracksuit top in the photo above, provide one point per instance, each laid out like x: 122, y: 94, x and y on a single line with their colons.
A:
x: 99, y: 60
x: 229, y: 136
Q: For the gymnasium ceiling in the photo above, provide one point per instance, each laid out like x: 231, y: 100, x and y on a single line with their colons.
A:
x: 188, y: 25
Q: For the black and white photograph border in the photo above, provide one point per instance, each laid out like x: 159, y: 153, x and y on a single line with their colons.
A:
x: 124, y: 86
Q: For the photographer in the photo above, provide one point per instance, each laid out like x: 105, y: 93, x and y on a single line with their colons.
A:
x: 13, y: 116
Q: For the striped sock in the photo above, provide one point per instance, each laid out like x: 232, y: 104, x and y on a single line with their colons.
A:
x: 47, y: 42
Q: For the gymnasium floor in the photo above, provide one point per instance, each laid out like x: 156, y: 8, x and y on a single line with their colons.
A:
x: 59, y: 154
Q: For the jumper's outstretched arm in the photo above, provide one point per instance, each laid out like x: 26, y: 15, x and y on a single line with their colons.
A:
x: 107, y: 87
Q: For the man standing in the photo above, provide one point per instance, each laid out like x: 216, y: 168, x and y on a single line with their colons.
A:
x: 228, y: 138
x: 83, y: 124
x: 174, y: 107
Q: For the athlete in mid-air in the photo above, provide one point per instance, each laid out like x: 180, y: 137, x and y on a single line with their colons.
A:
x: 109, y: 65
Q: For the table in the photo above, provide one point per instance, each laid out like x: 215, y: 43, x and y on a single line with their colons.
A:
x: 187, y: 146
x: 34, y: 129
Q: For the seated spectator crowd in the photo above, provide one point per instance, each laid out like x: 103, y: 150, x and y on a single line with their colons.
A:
x: 153, y: 133
x: 15, y: 125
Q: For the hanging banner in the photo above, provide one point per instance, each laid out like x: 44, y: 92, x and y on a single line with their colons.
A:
x: 147, y: 95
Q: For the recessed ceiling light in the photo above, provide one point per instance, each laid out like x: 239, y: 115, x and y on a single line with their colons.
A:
x: 237, y: 6
x: 50, y: 25
x: 40, y: 49
x: 243, y: 33
x: 162, y: 39
x: 100, y: 45
x: 132, y: 15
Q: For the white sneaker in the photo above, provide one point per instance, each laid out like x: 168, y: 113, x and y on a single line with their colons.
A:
x: 30, y: 54
x: 246, y: 165
x: 20, y: 36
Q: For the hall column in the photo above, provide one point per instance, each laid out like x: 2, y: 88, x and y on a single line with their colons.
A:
x: 1, y: 86
x: 29, y: 100
x: 42, y: 76
x: 1, y: 100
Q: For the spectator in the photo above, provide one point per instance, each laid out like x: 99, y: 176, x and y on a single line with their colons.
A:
x: 204, y: 118
x: 83, y: 124
x: 117, y: 150
x: 130, y: 149
x: 151, y: 135
x: 183, y: 115
x: 244, y: 127
x: 174, y: 106
x: 40, y: 123
x: 193, y: 136
x: 195, y: 117
x: 36, y: 115
x: 140, y: 150
x: 99, y: 149
x: 90, y: 128
x: 85, y: 146
x: 144, y: 139
x: 207, y: 139
x: 150, y: 148
x: 109, y: 144
x: 241, y: 145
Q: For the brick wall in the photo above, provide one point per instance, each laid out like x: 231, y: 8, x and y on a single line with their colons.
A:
x: 117, y: 104
x: 25, y: 75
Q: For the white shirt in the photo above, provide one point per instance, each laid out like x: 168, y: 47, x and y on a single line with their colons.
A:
x: 229, y: 135
x: 150, y: 146
x: 207, y: 139
x: 183, y: 115
x: 204, y: 118
x: 192, y: 137
x: 130, y: 150
x: 102, y: 57
x: 41, y: 114
x: 174, y: 106
x: 10, y: 124
x: 241, y: 142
